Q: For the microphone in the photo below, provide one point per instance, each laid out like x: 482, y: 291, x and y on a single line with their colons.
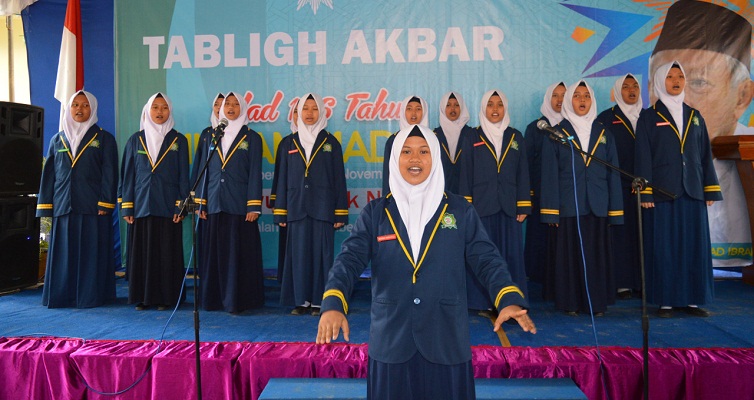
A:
x: 220, y: 130
x: 554, y: 133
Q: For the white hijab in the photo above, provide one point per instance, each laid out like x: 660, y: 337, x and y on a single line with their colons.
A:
x: 155, y: 133
x: 213, y: 120
x: 553, y: 117
x: 294, y: 121
x: 582, y: 124
x: 75, y: 131
x: 452, y: 129
x: 403, y: 123
x: 673, y: 103
x: 494, y: 131
x: 234, y: 126
x: 416, y: 203
x: 307, y: 134
x: 631, y: 111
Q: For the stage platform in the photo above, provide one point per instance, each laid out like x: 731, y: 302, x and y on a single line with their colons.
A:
x: 50, y: 353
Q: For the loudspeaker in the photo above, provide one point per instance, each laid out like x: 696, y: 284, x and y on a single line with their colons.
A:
x: 21, y: 137
x: 19, y: 242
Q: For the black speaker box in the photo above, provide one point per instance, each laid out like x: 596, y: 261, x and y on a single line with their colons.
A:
x: 19, y: 242
x: 21, y: 137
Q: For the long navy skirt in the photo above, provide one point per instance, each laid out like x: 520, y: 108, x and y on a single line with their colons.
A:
x: 232, y: 278
x: 678, y: 258
x: 155, y: 261
x: 536, y: 246
x: 625, y: 242
x: 507, y: 235
x: 80, y: 271
x: 419, y: 379
x: 309, y: 255
x: 570, y: 286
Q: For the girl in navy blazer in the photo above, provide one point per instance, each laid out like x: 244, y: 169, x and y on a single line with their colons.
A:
x: 415, y: 112
x: 231, y: 196
x: 495, y: 179
x: 311, y: 201
x: 673, y: 152
x: 597, y: 203
x: 155, y: 179
x: 78, y: 189
x: 418, y: 241
x: 452, y: 133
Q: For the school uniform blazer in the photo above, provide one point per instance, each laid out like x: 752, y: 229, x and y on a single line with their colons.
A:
x: 625, y: 140
x: 493, y: 185
x: 314, y: 188
x: 154, y: 187
x: 677, y: 163
x: 234, y: 180
x: 279, y: 154
x: 196, y: 166
x: 82, y: 184
x: 451, y: 163
x: 533, y: 139
x: 419, y: 305
x: 598, y: 188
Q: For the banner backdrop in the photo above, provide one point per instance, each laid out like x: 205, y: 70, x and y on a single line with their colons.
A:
x: 364, y: 58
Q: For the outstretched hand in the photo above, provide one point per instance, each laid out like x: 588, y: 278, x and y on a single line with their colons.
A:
x: 330, y: 324
x: 519, y: 314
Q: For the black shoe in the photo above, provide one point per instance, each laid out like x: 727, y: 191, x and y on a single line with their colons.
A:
x: 316, y: 311
x: 162, y: 307
x: 599, y: 314
x: 696, y: 311
x: 572, y: 313
x: 665, y: 313
x: 300, y: 310
x: 624, y: 295
x: 140, y: 307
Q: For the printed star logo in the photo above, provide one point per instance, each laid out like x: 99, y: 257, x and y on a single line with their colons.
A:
x: 314, y: 3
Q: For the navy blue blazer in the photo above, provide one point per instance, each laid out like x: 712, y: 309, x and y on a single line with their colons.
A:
x: 278, y: 157
x: 316, y: 188
x: 493, y: 185
x: 678, y: 164
x: 234, y: 181
x: 625, y: 140
x: 84, y: 184
x: 598, y: 187
x: 451, y: 163
x: 154, y: 187
x: 533, y: 139
x: 419, y: 306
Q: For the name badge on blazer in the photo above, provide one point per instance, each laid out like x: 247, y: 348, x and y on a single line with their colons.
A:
x: 477, y: 144
x: 663, y: 123
x: 294, y: 151
x: 385, y: 238
x: 617, y: 122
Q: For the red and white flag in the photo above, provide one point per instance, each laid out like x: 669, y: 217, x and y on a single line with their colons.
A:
x: 71, y: 63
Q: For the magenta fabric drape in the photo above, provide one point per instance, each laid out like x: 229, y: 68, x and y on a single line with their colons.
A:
x: 52, y: 368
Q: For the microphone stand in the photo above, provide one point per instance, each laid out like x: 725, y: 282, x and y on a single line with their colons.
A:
x: 189, y: 205
x: 637, y: 184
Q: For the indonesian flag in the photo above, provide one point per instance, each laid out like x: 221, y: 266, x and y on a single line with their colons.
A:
x: 71, y: 63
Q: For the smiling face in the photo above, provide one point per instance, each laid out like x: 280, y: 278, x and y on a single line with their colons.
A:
x: 675, y: 81
x: 159, y: 112
x: 310, y: 112
x: 556, y: 101
x: 495, y: 111
x: 415, y: 162
x: 452, y: 109
x: 582, y: 101
x: 232, y: 108
x: 80, y: 109
x: 414, y: 113
x: 629, y: 91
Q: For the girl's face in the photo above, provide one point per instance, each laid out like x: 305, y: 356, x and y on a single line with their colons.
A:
x: 414, y: 113
x: 310, y: 112
x: 556, y: 101
x: 80, y: 109
x: 630, y: 91
x: 216, y: 106
x: 159, y: 112
x: 452, y: 109
x: 582, y: 101
x: 232, y: 108
x: 415, y: 162
x: 495, y: 110
x: 675, y: 81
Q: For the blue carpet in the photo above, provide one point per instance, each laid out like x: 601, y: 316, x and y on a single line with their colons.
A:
x: 731, y: 323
